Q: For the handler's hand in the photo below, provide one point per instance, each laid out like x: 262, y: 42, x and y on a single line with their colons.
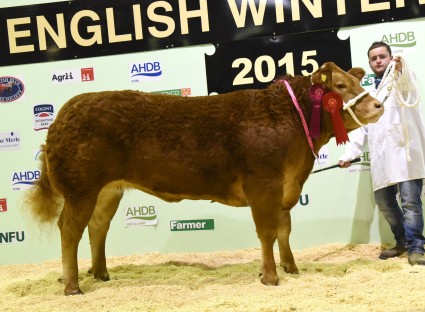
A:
x: 398, y: 66
x: 344, y: 164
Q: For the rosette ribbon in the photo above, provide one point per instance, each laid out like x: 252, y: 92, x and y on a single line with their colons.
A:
x: 332, y: 102
x: 316, y: 93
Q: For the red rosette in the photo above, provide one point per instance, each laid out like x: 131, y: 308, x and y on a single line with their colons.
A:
x: 316, y: 92
x: 332, y: 103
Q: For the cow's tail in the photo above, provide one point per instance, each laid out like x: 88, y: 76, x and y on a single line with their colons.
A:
x: 42, y: 200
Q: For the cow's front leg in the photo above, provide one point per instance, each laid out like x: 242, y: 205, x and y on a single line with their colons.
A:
x: 268, y: 264
x: 265, y: 198
x: 287, y: 261
x: 106, y: 207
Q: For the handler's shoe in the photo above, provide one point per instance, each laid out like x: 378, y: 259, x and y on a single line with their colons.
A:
x: 416, y: 258
x: 393, y: 252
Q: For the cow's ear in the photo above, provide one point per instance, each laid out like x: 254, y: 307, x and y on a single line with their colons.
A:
x: 357, y: 72
x: 323, y: 75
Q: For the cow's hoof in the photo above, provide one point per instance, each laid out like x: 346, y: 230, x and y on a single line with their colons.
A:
x: 270, y: 281
x: 73, y: 292
x: 103, y: 277
x: 99, y: 276
x: 290, y: 268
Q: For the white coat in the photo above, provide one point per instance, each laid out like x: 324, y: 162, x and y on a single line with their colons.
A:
x: 390, y: 144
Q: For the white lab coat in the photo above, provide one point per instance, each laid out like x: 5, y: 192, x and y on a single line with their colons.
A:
x: 389, y: 144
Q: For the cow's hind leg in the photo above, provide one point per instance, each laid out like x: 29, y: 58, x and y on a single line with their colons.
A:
x: 106, y: 207
x: 265, y: 198
x: 287, y: 261
x: 72, y: 222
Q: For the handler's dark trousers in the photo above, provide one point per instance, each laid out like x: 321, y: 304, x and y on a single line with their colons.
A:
x: 407, y: 222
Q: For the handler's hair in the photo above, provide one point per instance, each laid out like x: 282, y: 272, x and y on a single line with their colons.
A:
x: 378, y: 44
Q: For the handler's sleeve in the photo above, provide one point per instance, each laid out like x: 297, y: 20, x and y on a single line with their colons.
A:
x: 354, y: 148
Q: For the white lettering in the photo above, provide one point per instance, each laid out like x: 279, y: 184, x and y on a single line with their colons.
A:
x: 95, y: 30
x: 137, y: 16
x: 315, y: 9
x: 399, y: 3
x: 257, y: 14
x: 110, y: 22
x: 161, y: 19
x: 341, y: 7
x: 43, y: 26
x: 369, y: 7
x: 279, y: 11
x: 185, y: 15
x: 183, y: 225
x: 21, y: 37
x: 13, y: 34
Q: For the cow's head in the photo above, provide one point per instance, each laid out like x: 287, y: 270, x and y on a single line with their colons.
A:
x: 365, y: 108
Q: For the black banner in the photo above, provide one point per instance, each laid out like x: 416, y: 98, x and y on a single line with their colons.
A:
x: 86, y: 28
x: 255, y: 63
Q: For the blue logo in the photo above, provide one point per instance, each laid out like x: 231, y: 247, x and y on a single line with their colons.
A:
x: 11, y: 89
x: 24, y: 179
x: 145, y: 71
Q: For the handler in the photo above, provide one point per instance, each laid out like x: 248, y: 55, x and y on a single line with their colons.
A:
x: 397, y: 148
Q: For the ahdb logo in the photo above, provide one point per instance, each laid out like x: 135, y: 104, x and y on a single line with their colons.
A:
x: 400, y: 40
x: 148, y: 71
x: 23, y: 180
x: 141, y: 215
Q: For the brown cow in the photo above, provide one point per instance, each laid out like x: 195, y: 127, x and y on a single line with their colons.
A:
x: 244, y: 148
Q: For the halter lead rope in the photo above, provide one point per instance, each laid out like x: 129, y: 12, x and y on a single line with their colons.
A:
x: 390, y: 79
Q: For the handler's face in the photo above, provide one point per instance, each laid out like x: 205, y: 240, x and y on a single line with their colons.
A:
x: 379, y: 58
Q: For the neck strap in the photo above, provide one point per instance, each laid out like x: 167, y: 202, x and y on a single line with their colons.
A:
x: 300, y: 112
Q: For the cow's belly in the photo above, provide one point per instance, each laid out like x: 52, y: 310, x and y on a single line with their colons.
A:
x: 185, y: 173
x: 176, y: 189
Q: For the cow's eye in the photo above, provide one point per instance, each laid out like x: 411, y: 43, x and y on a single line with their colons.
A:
x: 340, y: 86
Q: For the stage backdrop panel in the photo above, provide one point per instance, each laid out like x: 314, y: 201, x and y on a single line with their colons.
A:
x: 335, y: 206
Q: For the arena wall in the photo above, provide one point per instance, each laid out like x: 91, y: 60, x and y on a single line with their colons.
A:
x: 335, y: 206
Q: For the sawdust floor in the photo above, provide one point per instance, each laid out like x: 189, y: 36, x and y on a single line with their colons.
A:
x: 333, y: 277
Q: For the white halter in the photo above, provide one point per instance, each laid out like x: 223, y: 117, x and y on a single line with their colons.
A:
x: 353, y: 102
